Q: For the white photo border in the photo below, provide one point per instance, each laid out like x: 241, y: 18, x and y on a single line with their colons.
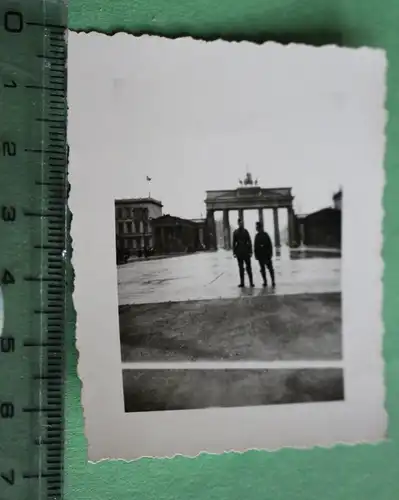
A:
x: 114, y: 434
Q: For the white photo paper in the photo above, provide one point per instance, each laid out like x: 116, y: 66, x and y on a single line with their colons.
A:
x: 227, y: 235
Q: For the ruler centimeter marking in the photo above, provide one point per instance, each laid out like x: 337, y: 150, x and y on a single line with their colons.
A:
x: 33, y: 220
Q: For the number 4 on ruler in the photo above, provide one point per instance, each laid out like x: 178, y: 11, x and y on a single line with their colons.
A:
x: 7, y: 278
x: 8, y: 477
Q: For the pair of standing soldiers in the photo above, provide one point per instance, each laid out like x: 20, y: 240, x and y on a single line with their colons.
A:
x: 263, y: 249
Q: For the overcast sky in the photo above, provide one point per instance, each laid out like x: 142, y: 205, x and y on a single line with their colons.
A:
x: 194, y: 116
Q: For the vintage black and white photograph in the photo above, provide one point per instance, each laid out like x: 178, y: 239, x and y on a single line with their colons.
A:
x: 241, y: 273
x: 228, y: 246
x: 233, y: 205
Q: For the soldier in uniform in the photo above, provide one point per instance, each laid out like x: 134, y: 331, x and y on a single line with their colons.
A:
x: 263, y: 253
x: 242, y: 251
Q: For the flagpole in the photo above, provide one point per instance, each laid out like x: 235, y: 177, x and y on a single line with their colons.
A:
x: 149, y: 186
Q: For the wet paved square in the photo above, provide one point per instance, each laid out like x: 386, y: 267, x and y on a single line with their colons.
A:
x: 214, y: 275
x: 189, y: 308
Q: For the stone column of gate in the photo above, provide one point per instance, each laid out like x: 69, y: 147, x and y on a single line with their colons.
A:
x: 226, y: 230
x: 211, y: 229
x: 302, y: 233
x: 214, y: 236
x: 291, y: 229
x: 241, y: 214
x: 260, y: 215
x: 277, y: 242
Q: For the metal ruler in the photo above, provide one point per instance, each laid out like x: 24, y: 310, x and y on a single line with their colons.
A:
x: 33, y: 218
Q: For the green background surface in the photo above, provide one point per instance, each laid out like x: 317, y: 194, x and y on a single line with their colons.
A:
x: 344, y: 472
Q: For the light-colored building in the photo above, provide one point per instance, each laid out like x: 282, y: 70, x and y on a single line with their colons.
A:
x: 133, y: 222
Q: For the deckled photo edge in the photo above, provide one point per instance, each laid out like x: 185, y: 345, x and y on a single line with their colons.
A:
x: 75, y: 207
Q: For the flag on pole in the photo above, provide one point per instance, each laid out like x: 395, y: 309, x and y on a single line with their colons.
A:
x: 148, y: 180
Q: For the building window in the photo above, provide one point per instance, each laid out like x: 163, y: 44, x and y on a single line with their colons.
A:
x: 137, y: 224
x: 127, y: 213
x: 129, y: 227
x: 120, y: 227
x: 145, y: 227
x: 145, y: 213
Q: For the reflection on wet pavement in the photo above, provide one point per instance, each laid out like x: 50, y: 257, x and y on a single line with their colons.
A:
x: 212, y: 275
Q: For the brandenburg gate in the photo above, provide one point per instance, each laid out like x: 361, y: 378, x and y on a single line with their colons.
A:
x: 248, y: 196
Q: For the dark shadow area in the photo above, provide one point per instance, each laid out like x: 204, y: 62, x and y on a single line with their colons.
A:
x: 327, y: 31
x: 160, y: 390
x: 316, y: 37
